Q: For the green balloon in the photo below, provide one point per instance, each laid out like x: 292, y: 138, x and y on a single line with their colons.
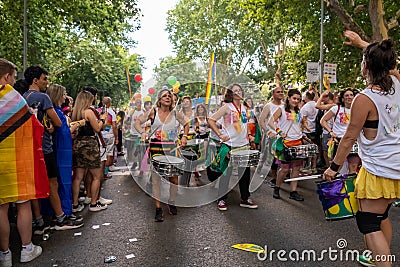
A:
x: 180, y: 94
x: 171, y: 80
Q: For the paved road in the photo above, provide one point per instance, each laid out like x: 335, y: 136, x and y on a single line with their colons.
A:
x: 203, y: 236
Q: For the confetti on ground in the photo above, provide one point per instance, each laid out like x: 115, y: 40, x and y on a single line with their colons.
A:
x: 249, y: 247
x: 133, y: 240
x: 78, y: 234
x: 106, y: 224
x: 96, y: 226
x: 125, y: 194
x: 130, y: 256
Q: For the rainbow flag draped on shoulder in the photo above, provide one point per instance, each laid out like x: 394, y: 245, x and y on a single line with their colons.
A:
x: 23, y: 174
x: 211, y: 78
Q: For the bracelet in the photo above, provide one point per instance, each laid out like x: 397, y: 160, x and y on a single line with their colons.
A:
x: 334, y: 167
x: 185, y: 135
x: 278, y: 131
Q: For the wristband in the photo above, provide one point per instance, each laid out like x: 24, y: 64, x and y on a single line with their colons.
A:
x: 278, y: 131
x: 185, y: 135
x: 334, y: 167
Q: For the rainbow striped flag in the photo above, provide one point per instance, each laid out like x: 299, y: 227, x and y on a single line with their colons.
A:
x: 23, y: 174
x: 211, y: 78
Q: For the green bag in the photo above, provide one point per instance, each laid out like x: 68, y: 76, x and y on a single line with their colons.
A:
x: 277, y: 145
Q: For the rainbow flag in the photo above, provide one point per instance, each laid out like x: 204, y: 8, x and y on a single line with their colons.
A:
x: 211, y: 77
x: 23, y: 174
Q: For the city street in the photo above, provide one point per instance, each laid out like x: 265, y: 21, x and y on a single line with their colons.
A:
x: 203, y: 236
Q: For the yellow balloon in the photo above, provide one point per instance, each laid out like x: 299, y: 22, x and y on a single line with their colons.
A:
x: 326, y: 78
x: 176, y: 85
x: 147, y: 98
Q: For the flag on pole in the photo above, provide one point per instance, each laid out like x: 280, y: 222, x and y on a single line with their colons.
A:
x: 211, y: 78
x: 128, y: 78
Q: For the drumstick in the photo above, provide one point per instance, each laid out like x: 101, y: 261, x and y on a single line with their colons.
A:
x: 316, y: 176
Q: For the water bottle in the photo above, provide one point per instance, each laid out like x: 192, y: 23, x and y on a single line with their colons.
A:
x: 396, y: 204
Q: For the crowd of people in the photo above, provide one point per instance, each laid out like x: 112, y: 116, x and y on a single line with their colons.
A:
x: 81, y: 139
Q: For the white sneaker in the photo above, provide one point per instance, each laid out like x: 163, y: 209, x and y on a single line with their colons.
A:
x: 97, y: 207
x: 6, y: 259
x: 87, y: 200
x: 105, y: 201
x: 112, y: 168
x: 27, y: 256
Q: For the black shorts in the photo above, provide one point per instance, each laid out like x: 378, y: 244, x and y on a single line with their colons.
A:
x: 51, y: 165
x: 314, y: 137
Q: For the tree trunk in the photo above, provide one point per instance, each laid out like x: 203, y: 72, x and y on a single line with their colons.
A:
x: 376, y: 14
x: 346, y: 19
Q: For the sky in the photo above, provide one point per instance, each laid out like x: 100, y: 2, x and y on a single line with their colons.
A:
x: 152, y: 38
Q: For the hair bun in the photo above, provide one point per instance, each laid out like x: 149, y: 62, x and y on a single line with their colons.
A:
x: 386, y: 44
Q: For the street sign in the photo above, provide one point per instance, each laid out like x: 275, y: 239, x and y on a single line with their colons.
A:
x: 313, y: 71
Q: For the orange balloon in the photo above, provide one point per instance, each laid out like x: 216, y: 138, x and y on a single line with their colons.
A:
x: 137, y: 95
x: 176, y: 90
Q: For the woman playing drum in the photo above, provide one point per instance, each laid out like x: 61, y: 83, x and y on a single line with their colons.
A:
x: 341, y: 118
x: 235, y: 136
x: 375, y: 124
x: 288, y: 125
x: 164, y: 130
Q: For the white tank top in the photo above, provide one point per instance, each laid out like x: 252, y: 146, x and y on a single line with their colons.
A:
x: 236, y: 126
x: 381, y: 156
x: 167, y: 131
x: 290, y: 123
x: 272, y: 109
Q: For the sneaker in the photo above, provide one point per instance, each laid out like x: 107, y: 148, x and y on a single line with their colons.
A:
x: 272, y: 183
x: 27, y: 256
x: 112, y: 168
x: 172, y: 210
x: 76, y: 218
x: 365, y: 261
x: 222, y: 206
x: 107, y: 176
x: 105, y: 201
x: 248, y: 204
x: 97, y: 207
x: 6, y: 259
x: 87, y: 200
x: 276, y: 194
x: 39, y: 230
x: 68, y: 224
x: 78, y: 208
x: 159, y: 215
x: 296, y: 196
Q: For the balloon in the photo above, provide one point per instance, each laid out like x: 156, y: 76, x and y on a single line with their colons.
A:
x: 138, y: 78
x: 165, y: 87
x: 176, y: 90
x: 171, y: 80
x: 137, y: 95
x: 147, y: 98
x: 180, y: 94
x: 152, y: 90
x: 176, y: 85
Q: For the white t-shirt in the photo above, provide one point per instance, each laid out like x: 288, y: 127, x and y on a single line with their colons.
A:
x: 108, y: 131
x: 309, y: 111
x: 342, y: 120
x: 134, y: 116
x: 234, y: 124
x: 290, y: 123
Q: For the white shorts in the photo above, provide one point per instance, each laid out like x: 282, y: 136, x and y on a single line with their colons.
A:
x: 109, y: 150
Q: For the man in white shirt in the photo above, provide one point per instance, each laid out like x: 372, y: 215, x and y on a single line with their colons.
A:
x: 309, y: 113
x: 110, y: 135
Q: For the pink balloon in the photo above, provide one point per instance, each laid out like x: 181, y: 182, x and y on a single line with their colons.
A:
x: 152, y: 90
x: 138, y: 78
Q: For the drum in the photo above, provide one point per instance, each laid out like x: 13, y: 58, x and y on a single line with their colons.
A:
x: 196, y: 146
x: 167, y: 166
x: 245, y: 158
x: 296, y: 152
x: 354, y: 149
x: 337, y: 199
x: 311, y: 150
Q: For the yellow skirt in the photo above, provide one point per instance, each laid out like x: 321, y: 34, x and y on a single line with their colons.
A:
x: 369, y: 186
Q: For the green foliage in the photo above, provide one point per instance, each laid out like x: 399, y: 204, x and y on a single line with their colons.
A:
x: 80, y: 42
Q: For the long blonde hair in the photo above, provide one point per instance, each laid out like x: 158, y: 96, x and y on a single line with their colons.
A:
x: 82, y: 102
x: 56, y: 93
